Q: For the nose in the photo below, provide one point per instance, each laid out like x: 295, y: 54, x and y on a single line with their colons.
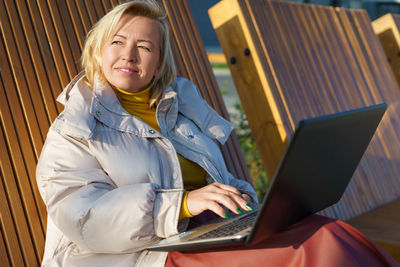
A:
x: 130, y: 54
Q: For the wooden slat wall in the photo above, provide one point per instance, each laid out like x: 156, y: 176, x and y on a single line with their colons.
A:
x: 305, y: 61
x: 40, y: 47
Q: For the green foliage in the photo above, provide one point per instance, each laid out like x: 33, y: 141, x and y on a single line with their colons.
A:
x: 222, y: 66
x: 223, y: 88
x: 248, y: 147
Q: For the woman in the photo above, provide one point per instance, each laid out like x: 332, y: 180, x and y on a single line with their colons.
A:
x: 112, y: 182
x: 133, y: 155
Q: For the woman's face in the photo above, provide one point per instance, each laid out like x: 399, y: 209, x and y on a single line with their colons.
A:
x: 131, y: 56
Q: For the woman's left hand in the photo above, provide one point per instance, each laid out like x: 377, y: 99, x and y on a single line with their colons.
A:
x: 212, y: 196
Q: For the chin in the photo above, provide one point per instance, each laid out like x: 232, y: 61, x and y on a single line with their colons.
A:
x: 124, y: 87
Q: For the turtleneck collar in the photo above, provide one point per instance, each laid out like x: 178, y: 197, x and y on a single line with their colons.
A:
x: 140, y: 98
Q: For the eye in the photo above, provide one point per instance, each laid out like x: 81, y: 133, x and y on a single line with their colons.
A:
x: 116, y: 42
x: 144, y: 47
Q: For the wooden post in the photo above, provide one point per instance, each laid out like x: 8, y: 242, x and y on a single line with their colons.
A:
x: 252, y: 81
x: 387, y: 30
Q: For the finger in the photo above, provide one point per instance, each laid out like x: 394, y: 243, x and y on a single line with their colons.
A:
x: 211, y: 197
x: 248, y: 206
x: 231, y: 201
x: 217, y: 209
x: 246, y: 197
x: 234, y: 195
x: 227, y: 188
x: 241, y: 201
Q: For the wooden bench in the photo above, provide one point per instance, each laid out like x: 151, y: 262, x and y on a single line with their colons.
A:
x: 382, y: 225
x: 291, y: 61
x: 40, y: 46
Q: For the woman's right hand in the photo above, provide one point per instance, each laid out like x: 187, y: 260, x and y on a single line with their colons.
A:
x: 212, y: 196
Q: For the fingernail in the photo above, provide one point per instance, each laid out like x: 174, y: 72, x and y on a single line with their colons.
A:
x: 226, y: 215
x: 240, y: 211
x: 249, y: 207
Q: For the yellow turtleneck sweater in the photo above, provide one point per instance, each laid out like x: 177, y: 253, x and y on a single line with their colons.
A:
x: 137, y: 104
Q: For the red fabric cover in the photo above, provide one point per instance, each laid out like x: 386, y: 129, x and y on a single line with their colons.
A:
x: 314, y: 241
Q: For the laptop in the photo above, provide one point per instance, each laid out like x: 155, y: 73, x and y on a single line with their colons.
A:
x: 313, y: 174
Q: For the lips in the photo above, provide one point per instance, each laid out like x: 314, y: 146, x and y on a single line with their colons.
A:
x: 127, y: 70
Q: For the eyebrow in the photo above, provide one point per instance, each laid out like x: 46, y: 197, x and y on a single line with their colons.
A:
x: 118, y: 35
x: 140, y: 40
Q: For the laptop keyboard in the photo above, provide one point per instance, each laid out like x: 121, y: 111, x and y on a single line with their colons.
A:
x: 230, y: 228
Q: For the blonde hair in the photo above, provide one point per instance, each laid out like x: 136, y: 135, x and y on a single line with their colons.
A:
x: 106, y: 27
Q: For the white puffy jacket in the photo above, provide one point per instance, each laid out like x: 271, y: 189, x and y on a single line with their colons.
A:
x: 112, y: 184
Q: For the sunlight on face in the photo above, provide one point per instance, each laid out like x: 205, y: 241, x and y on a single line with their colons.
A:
x: 130, y: 59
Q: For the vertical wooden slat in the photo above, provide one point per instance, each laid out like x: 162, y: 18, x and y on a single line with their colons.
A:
x: 23, y: 207
x: 99, y: 10
x: 68, y: 53
x: 15, y: 231
x: 89, y: 7
x: 52, y: 89
x: 62, y: 71
x: 77, y: 22
x: 40, y: 94
x: 113, y: 3
x: 25, y: 65
x: 18, y: 68
x: 84, y: 15
x: 107, y: 5
x: 11, y: 240
x: 21, y: 150
x: 3, y: 249
x: 33, y: 112
x: 39, y: 72
x: 70, y: 34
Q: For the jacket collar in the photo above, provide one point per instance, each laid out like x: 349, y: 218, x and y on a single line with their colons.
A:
x: 68, y: 90
x: 107, y: 109
x: 167, y: 110
x: 102, y: 103
x: 104, y: 94
x: 84, y: 105
x: 195, y: 108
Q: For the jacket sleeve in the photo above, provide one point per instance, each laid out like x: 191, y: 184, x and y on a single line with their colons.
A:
x: 244, y: 187
x: 90, y: 210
